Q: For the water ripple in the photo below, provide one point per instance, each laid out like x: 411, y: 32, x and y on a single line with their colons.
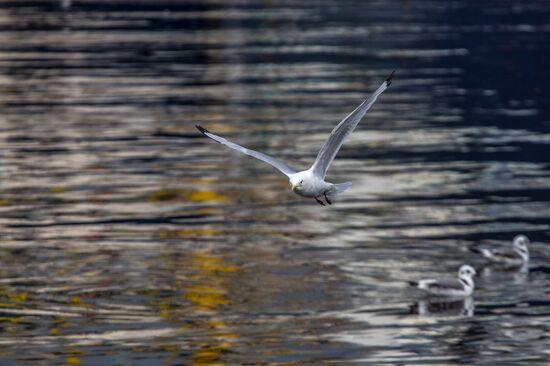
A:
x: 127, y: 236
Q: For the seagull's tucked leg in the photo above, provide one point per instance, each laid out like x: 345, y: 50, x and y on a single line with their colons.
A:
x: 319, y: 201
x: 329, y: 202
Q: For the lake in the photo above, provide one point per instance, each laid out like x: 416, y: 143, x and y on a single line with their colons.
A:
x: 127, y: 238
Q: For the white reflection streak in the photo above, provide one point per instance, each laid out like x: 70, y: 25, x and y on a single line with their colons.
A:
x: 124, y: 337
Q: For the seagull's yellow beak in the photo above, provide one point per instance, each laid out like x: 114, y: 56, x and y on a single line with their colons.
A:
x: 293, y: 187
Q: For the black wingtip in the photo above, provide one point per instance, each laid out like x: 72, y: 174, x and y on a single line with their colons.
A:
x: 389, y: 79
x: 413, y: 283
x: 201, y: 129
x: 475, y: 250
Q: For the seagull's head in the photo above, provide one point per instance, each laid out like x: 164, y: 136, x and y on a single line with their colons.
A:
x: 466, y: 271
x: 297, y: 183
x: 520, y: 244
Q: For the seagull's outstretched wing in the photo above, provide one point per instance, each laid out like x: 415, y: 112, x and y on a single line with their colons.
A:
x: 339, y: 133
x: 285, y: 169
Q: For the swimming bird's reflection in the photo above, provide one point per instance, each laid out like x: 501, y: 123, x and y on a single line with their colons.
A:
x: 444, y: 307
x: 519, y: 274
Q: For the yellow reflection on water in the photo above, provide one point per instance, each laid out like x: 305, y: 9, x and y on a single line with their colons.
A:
x: 207, y: 262
x: 207, y: 277
x: 11, y: 319
x: 73, y: 357
x: 210, y: 354
x: 189, y: 195
x: 9, y: 298
x: 59, y: 322
x: 18, y: 297
x: 205, y: 297
x: 58, y: 189
x: 207, y: 292
x: 164, y: 233
x: 78, y: 302
x: 72, y: 360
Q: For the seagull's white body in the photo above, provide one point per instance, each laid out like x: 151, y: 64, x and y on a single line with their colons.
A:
x: 517, y: 255
x: 311, y: 182
x: 462, y: 286
x: 308, y: 184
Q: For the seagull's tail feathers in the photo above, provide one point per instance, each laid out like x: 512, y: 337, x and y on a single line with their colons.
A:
x: 341, y: 187
x: 484, y: 252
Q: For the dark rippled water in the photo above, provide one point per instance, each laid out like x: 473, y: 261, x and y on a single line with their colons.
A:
x: 127, y: 238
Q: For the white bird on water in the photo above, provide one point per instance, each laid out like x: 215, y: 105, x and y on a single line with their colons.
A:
x: 517, y: 255
x: 462, y: 286
x: 311, y: 182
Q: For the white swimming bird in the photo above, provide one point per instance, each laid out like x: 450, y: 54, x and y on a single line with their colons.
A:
x: 517, y: 255
x: 311, y: 182
x: 462, y: 286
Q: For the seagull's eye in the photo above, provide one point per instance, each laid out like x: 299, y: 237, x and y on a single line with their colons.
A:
x: 301, y: 181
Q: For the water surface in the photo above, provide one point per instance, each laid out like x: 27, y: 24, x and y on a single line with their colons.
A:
x: 127, y: 238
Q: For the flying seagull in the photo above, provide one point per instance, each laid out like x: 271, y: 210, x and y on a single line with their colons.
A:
x: 311, y: 182
x: 461, y: 286
x: 517, y: 255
